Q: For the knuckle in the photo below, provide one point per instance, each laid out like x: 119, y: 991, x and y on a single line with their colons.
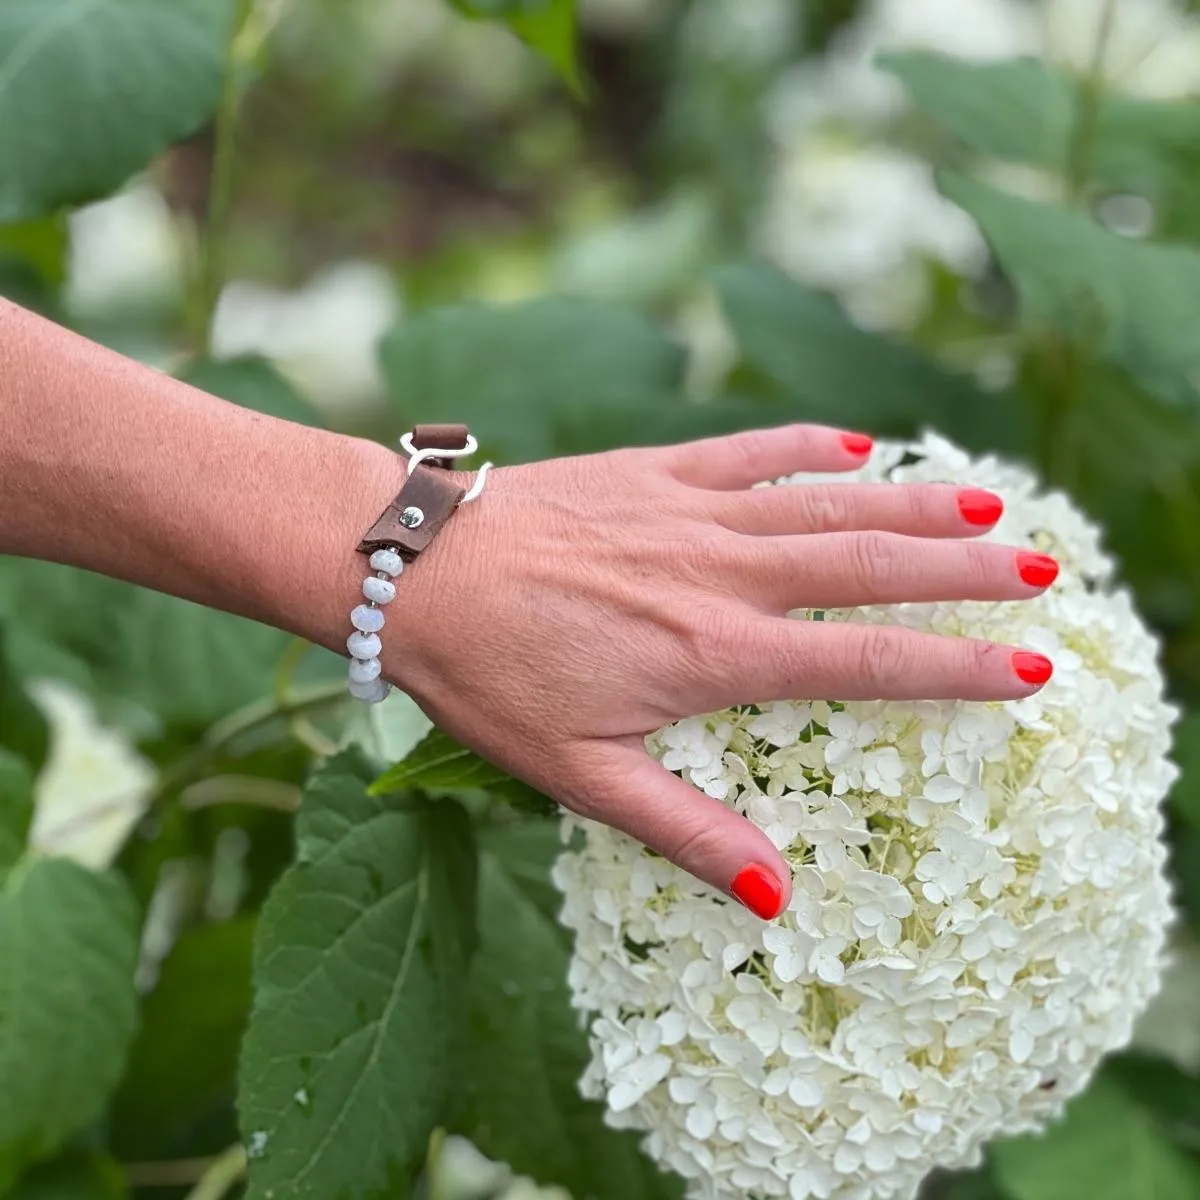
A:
x: 888, y: 659
x: 826, y: 507
x: 876, y: 563
x: 700, y: 557
x: 696, y: 846
x: 979, y: 564
x: 980, y: 659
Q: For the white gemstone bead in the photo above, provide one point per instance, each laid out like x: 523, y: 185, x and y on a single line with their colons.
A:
x: 369, y: 620
x: 364, y: 645
x: 382, y: 591
x: 363, y: 670
x: 372, y: 692
x: 387, y: 560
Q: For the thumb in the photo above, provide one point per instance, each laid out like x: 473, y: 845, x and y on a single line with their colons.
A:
x: 624, y: 787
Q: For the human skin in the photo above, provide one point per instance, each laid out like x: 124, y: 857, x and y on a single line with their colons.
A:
x: 578, y: 605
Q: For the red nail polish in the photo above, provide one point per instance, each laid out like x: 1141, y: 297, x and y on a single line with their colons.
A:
x: 979, y: 507
x: 759, y: 890
x: 857, y: 444
x: 1032, y: 668
x: 1037, y: 570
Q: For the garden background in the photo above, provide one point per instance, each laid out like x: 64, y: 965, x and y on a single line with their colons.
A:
x: 656, y: 219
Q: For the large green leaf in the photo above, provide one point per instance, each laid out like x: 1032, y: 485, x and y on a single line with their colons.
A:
x: 823, y: 368
x: 529, y: 375
x: 92, y: 90
x: 183, y: 1062
x: 253, y: 383
x: 16, y: 808
x: 354, y: 1051
x: 439, y: 764
x: 527, y: 1048
x: 68, y: 949
x: 188, y: 664
x: 1107, y: 1148
x: 546, y: 25
x: 23, y: 728
x: 1133, y: 303
x: 1026, y: 110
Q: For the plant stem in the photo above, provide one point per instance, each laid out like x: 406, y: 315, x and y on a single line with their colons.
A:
x: 211, y: 269
x: 226, y: 1170
x: 1064, y: 358
x: 245, y: 720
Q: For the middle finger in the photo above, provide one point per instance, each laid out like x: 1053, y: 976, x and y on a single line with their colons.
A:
x: 845, y: 570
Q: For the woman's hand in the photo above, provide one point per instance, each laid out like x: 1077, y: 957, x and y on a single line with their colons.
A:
x: 582, y: 603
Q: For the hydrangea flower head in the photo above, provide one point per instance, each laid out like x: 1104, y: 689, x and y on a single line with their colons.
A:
x: 979, y: 909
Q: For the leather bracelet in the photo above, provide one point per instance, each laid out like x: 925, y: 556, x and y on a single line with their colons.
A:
x: 410, y: 522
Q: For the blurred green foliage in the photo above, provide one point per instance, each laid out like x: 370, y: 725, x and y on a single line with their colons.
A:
x: 550, y: 253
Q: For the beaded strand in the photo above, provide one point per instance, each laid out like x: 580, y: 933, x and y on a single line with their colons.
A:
x: 364, y: 644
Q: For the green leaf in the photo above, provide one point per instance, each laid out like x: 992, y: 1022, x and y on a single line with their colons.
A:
x: 1107, y: 1148
x: 826, y: 369
x: 16, y: 808
x: 41, y: 245
x: 439, y: 764
x: 93, y: 90
x: 548, y: 26
x: 1185, y: 796
x: 183, y: 1063
x: 1129, y: 302
x: 1026, y: 110
x: 526, y: 376
x: 253, y: 383
x: 188, y: 664
x: 23, y: 728
x: 527, y: 1048
x: 1163, y: 1089
x: 69, y: 948
x: 354, y: 1051
x: 73, y: 1177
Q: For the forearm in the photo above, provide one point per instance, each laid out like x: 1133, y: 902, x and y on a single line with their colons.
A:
x: 110, y: 465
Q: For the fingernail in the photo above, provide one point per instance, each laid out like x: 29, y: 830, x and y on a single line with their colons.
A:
x: 1032, y: 668
x: 759, y: 890
x: 1037, y: 570
x: 857, y: 443
x: 979, y: 507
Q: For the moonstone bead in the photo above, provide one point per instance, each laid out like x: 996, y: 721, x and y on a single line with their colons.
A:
x: 363, y: 670
x: 387, y: 560
x: 369, y: 620
x: 372, y: 692
x: 382, y: 591
x: 364, y: 645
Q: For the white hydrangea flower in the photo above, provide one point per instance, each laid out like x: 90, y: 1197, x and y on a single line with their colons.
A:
x: 94, y: 787
x: 979, y: 910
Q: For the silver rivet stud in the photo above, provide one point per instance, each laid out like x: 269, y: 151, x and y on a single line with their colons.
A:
x: 411, y: 517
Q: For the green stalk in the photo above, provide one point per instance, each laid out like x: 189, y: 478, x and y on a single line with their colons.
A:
x: 1063, y: 359
x: 222, y: 1176
x: 211, y: 269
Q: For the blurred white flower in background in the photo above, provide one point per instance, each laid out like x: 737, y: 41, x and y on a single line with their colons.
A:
x: 95, y: 785
x: 864, y: 221
x: 126, y: 251
x: 1152, y: 48
x: 324, y: 336
x: 979, y: 914
x: 461, y: 1172
x: 848, y: 211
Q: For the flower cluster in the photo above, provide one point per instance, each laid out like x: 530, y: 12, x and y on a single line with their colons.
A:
x: 979, y: 912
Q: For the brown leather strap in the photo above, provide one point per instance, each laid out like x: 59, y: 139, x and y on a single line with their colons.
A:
x: 427, y: 499
x: 439, y: 437
x: 428, y: 491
